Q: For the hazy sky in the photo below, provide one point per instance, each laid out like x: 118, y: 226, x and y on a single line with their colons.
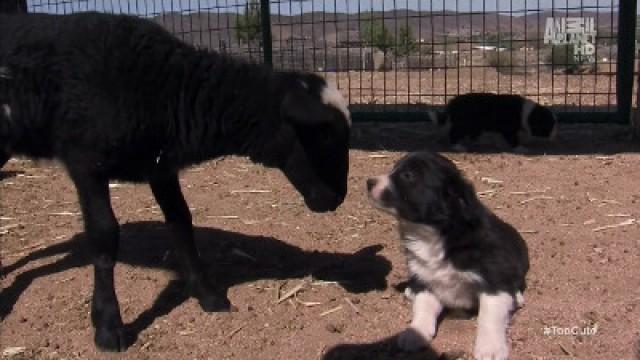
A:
x: 287, y: 7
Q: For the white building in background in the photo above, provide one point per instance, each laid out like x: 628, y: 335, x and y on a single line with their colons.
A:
x: 489, y: 48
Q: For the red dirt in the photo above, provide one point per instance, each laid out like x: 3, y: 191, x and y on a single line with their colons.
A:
x: 259, y: 242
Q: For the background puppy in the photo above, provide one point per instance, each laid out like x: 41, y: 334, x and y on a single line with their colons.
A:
x: 511, y: 116
x: 460, y: 255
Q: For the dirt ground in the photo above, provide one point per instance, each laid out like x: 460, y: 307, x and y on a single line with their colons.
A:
x: 328, y: 286
x: 588, y: 92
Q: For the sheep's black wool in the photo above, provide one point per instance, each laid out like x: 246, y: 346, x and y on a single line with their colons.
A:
x: 118, y: 97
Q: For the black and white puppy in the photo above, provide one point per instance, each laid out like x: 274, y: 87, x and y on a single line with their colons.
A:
x: 460, y: 255
x: 512, y: 116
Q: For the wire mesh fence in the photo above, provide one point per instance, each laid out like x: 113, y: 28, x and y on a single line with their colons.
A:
x: 399, y: 56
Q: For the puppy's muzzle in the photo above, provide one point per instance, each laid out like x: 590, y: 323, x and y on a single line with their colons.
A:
x: 376, y: 187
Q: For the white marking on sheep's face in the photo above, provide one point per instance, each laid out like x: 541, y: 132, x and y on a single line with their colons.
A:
x: 332, y: 97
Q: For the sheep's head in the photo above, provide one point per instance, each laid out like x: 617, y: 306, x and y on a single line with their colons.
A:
x: 316, y: 121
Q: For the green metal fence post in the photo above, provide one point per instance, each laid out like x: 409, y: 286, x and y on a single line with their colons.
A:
x: 265, y: 23
x: 626, y: 59
x: 13, y: 6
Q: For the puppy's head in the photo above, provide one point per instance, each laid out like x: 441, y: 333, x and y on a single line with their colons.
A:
x: 425, y: 188
x: 542, y: 122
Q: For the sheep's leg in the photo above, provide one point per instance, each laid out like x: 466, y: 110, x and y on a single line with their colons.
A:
x: 166, y: 189
x: 102, y: 231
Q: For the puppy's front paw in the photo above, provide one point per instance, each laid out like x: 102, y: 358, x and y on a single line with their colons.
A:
x: 409, y: 294
x: 491, y: 348
x: 413, y: 339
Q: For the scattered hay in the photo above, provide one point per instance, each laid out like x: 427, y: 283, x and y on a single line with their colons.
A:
x: 5, y: 229
x: 491, y: 181
x: 603, y: 202
x: 353, y: 306
x: 235, y: 331
x: 223, y: 217
x: 530, y: 192
x: 487, y: 193
x: 613, y: 226
x: 541, y: 197
x: 618, y: 215
x: 13, y: 351
x: 250, y: 191
x: 242, y: 254
x: 378, y: 156
x: 291, y: 292
x: 65, y: 213
x: 331, y: 311
x: 306, y: 303
x: 528, y: 231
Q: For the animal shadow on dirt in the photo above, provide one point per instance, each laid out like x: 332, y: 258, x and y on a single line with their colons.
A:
x: 381, y: 350
x: 572, y: 139
x: 230, y: 259
x: 387, y: 348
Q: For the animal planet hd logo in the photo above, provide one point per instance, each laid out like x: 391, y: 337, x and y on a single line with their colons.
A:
x: 577, y: 31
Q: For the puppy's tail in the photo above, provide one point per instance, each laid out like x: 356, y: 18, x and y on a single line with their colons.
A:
x: 4, y: 135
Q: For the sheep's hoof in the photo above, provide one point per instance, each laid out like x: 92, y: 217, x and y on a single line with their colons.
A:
x: 211, y: 299
x: 110, y: 339
x: 216, y: 304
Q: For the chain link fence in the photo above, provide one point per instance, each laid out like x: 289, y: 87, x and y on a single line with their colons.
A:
x: 394, y: 59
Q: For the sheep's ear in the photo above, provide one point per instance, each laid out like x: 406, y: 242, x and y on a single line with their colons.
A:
x: 300, y: 108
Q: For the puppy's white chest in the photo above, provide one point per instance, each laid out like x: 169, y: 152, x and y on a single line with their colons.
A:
x: 454, y: 288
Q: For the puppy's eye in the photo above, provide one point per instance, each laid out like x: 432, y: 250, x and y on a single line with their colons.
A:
x: 407, y: 176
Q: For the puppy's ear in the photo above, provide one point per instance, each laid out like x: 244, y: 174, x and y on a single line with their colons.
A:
x: 300, y: 108
x: 462, y: 199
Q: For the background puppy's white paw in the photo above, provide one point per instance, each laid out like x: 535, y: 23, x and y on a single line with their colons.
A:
x: 491, y: 348
x: 521, y: 149
x: 459, y: 148
x: 412, y: 339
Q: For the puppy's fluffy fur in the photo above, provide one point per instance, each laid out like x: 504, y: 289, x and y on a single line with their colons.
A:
x: 512, y: 116
x: 460, y: 255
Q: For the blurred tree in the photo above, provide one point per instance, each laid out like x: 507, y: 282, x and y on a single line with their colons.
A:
x: 377, y: 35
x: 405, y: 44
x: 248, y: 26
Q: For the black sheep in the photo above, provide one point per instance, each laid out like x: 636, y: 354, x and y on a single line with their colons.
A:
x: 118, y: 97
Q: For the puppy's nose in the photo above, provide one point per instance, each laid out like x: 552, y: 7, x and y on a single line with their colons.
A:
x: 371, y: 183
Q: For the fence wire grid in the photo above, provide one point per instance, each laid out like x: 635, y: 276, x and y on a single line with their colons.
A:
x: 392, y: 57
